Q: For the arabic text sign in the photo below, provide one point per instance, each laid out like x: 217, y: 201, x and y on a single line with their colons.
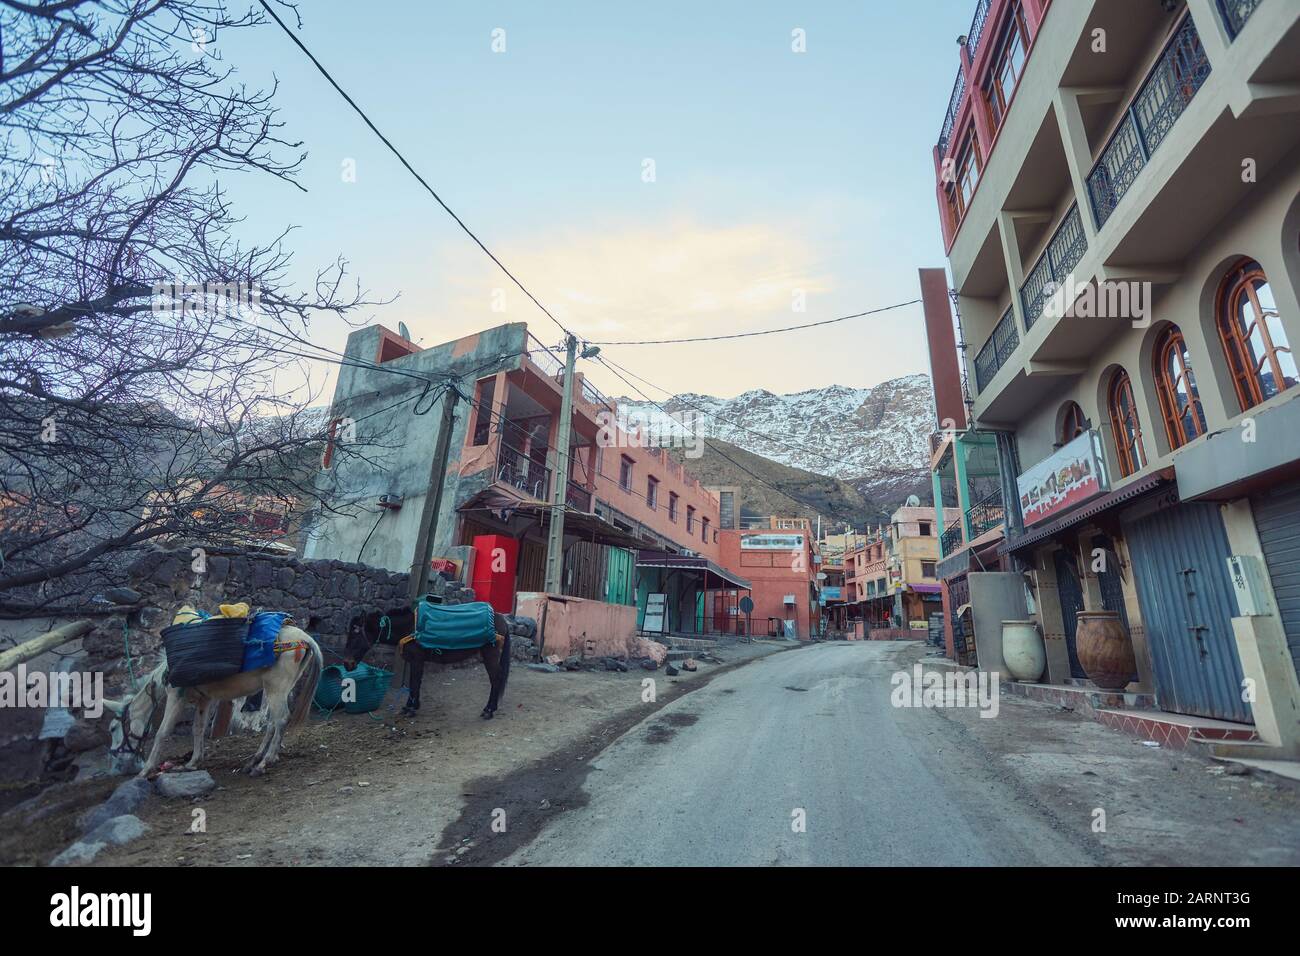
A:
x: 1070, y: 476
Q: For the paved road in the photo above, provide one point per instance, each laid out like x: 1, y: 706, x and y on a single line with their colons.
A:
x: 715, y: 779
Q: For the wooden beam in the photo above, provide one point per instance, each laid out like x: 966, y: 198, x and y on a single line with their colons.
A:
x: 46, y: 642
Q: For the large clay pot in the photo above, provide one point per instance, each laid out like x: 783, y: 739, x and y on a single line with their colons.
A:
x: 1022, y: 650
x: 1105, y: 651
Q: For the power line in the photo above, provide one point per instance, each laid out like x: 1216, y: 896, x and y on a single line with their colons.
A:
x: 764, y: 435
x: 411, y: 169
x: 746, y: 335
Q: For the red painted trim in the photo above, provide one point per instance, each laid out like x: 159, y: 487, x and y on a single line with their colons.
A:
x: 976, y: 73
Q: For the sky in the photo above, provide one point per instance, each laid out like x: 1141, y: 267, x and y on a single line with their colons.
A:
x: 648, y: 170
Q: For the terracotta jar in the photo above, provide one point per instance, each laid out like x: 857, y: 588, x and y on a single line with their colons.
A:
x: 1105, y: 651
x: 1022, y: 650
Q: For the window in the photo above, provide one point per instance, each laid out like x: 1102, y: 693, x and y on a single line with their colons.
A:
x: 1073, y: 424
x: 727, y: 509
x: 966, y: 174
x: 1125, y: 425
x: 690, y: 519
x: 704, y: 530
x: 925, y: 529
x: 483, y: 420
x: 672, y: 506
x: 625, y: 473
x: 1008, y: 64
x: 1180, y: 404
x: 927, y: 569
x: 1250, y: 329
x: 652, y: 493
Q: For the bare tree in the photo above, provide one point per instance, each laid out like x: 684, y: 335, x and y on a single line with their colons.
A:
x: 142, y: 346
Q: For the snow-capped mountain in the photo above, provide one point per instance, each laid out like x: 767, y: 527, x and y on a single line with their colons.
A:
x: 877, y: 439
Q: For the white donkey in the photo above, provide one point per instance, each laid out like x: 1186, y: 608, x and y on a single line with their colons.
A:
x: 298, y: 658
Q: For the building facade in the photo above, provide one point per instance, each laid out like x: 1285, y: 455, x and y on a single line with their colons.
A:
x: 782, y: 568
x: 413, y: 478
x: 1119, y: 193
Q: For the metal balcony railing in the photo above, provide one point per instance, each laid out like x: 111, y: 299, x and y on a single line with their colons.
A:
x: 950, y: 118
x: 1235, y: 13
x: 985, y: 514
x: 516, y: 469
x: 995, y: 352
x: 1063, y: 252
x: 973, y: 37
x: 578, y: 498
x: 950, y: 540
x: 1168, y: 88
x: 977, y: 24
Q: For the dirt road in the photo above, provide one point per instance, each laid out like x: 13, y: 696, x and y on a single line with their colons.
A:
x: 357, y: 789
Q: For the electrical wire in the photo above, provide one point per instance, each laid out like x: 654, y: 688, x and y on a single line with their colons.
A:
x: 746, y: 335
x: 411, y: 169
x: 759, y: 478
x: 782, y: 441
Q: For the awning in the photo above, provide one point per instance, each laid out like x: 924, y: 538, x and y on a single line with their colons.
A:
x: 686, y: 562
x: 1134, y: 489
x: 926, y: 588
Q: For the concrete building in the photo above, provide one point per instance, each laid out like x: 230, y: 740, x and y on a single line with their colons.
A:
x: 1119, y: 194
x: 782, y: 568
x: 398, y: 504
x: 913, y: 558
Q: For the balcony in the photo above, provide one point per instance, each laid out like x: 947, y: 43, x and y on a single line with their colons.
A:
x: 578, y: 498
x: 985, y: 515
x: 951, y: 540
x: 1235, y: 13
x: 1180, y: 71
x: 973, y: 37
x: 995, y: 352
x: 518, y: 470
x: 1063, y: 252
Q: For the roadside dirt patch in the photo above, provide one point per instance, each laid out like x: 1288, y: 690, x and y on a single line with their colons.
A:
x: 1159, y: 807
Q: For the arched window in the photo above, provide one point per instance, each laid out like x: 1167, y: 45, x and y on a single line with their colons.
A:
x: 1180, y: 404
x: 1125, y: 426
x: 1073, y: 424
x: 1259, y: 355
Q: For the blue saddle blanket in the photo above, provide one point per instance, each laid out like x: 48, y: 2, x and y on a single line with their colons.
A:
x: 454, y: 627
x: 259, y: 645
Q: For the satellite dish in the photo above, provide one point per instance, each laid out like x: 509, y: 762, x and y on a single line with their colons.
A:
x: 913, y: 501
x: 403, y: 331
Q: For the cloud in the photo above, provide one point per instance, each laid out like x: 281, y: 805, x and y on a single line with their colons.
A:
x: 675, y: 278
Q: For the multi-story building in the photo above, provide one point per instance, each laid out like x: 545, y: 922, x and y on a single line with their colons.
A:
x: 913, y: 555
x: 416, y: 470
x: 1119, y: 194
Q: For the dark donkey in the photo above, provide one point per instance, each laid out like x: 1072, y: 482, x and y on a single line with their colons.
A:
x: 367, y: 628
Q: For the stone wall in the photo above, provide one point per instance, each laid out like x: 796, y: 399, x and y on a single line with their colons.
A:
x: 320, y: 595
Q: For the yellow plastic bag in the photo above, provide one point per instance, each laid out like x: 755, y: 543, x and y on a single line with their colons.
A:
x: 235, y: 610
x: 186, y: 615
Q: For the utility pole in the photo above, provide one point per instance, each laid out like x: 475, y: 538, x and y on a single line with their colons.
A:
x: 560, y: 478
x: 419, y: 580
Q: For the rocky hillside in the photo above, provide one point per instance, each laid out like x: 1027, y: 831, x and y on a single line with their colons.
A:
x: 875, y: 439
x: 783, y: 490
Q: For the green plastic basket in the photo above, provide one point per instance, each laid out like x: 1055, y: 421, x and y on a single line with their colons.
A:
x: 372, y: 688
x: 330, y: 689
